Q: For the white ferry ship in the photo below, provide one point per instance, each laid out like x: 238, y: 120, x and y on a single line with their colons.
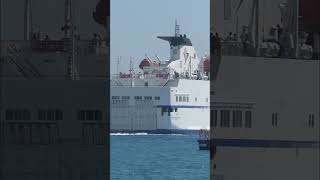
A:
x: 265, y: 103
x: 169, y: 96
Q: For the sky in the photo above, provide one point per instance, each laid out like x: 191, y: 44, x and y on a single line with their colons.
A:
x: 136, y: 24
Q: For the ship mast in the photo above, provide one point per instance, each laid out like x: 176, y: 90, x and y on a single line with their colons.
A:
x: 68, y: 24
x: 131, y: 73
x: 296, y: 32
x: 257, y: 29
x: 118, y: 62
x: 69, y: 37
x: 27, y: 19
x: 177, y: 29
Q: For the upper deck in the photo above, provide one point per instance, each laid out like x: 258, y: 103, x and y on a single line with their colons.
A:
x: 54, y: 59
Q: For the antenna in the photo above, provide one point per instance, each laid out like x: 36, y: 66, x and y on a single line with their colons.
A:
x: 68, y: 27
x: 118, y: 62
x: 131, y: 73
x: 177, y: 28
x: 27, y: 19
x: 158, y: 58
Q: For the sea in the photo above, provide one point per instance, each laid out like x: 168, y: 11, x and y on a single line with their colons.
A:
x: 143, y: 156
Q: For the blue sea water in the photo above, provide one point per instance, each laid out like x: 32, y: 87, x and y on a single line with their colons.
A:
x: 157, y: 157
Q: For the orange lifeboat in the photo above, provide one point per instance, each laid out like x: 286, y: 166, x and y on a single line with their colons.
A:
x: 148, y: 63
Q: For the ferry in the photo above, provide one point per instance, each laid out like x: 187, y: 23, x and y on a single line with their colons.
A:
x: 168, y: 96
x: 265, y: 97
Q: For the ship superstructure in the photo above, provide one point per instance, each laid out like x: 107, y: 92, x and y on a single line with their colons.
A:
x: 168, y: 96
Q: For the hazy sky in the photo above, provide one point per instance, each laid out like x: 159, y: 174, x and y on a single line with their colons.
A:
x: 136, y: 24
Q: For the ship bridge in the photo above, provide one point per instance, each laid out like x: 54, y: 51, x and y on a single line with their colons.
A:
x: 177, y: 40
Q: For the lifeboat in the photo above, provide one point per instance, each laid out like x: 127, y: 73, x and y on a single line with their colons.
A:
x: 148, y: 63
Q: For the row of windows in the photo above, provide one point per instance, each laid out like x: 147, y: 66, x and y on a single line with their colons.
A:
x: 138, y: 97
x: 18, y: 114
x: 115, y: 97
x: 51, y: 114
x: 185, y: 98
x: 146, y: 98
x: 182, y: 98
x: 236, y: 118
x: 118, y: 97
x: 135, y: 97
x: 89, y: 115
x: 126, y: 97
x: 24, y: 114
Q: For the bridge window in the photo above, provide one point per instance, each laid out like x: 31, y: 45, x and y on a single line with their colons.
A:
x: 248, y: 117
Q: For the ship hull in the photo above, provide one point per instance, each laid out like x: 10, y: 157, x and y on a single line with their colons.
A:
x: 159, y: 109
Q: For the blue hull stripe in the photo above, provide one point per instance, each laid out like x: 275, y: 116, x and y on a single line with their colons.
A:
x: 182, y: 106
x: 264, y: 143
